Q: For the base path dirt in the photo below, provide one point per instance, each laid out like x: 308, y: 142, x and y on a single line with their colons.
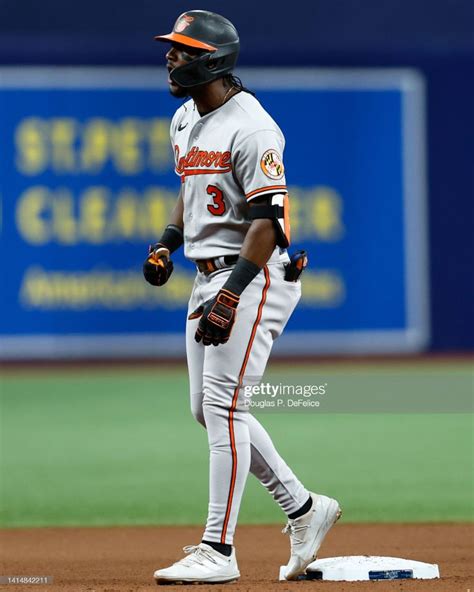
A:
x: 123, y: 559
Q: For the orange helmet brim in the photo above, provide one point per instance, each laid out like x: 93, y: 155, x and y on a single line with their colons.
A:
x: 185, y: 40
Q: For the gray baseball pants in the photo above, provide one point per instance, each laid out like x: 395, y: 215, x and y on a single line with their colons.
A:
x: 237, y: 441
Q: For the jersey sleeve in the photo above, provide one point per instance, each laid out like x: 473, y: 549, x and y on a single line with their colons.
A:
x: 258, y: 163
x: 177, y: 118
x: 173, y: 126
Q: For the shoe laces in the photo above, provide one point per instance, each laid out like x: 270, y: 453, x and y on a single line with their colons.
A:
x: 293, y: 529
x: 196, y: 554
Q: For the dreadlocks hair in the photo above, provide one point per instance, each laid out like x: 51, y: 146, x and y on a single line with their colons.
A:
x: 237, y: 83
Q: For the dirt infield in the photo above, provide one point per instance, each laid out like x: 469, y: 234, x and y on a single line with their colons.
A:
x: 123, y: 559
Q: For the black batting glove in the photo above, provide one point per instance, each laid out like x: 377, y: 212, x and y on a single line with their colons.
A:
x: 298, y: 263
x: 217, y: 318
x: 158, y: 266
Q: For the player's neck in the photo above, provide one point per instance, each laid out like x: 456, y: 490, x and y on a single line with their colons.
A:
x: 212, y: 96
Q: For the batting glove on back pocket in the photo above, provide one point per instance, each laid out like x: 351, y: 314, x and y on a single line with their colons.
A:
x: 217, y: 317
x: 296, y: 266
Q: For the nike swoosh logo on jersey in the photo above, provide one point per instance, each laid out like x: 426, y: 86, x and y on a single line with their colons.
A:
x: 181, y: 127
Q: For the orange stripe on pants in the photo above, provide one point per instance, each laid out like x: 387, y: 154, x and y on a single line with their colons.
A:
x: 234, y: 404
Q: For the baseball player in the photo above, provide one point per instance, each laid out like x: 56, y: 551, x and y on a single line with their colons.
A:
x: 232, y: 218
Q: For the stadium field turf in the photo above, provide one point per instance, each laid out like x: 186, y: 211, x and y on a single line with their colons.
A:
x: 117, y: 446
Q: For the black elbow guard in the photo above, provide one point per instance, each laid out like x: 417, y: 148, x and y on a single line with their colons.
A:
x: 277, y: 209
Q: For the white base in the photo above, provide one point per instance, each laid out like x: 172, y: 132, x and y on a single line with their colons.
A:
x: 363, y: 567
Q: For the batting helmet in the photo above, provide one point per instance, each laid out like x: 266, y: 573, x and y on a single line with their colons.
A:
x: 211, y: 32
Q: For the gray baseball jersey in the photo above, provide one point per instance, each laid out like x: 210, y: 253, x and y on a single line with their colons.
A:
x: 225, y: 159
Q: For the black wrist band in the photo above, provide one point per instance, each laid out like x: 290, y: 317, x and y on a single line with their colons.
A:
x: 243, y: 273
x: 172, y: 238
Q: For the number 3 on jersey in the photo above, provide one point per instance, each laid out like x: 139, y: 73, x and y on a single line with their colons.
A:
x: 217, y: 208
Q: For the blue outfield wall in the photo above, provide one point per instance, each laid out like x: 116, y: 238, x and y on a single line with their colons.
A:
x: 88, y: 181
x: 430, y: 36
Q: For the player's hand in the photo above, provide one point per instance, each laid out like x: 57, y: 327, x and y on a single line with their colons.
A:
x: 158, y: 266
x: 217, y: 318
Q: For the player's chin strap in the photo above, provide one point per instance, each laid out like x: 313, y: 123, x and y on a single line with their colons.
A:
x: 277, y: 209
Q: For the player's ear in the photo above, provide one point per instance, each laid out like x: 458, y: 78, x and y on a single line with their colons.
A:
x: 212, y: 64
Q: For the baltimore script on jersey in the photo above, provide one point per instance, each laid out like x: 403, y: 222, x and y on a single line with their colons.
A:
x: 196, y: 158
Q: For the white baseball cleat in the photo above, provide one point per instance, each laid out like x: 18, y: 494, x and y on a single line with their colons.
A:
x: 202, y: 564
x: 307, y: 533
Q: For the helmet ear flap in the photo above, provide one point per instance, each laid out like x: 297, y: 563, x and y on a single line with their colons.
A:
x: 207, y: 67
x: 193, y: 73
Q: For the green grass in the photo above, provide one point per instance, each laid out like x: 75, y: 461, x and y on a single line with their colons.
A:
x: 112, y: 447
